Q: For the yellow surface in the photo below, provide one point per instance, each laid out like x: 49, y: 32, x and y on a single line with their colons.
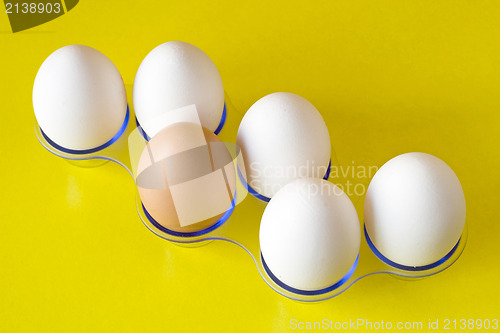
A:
x: 389, y: 77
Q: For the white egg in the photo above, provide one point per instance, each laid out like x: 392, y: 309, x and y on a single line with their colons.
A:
x: 414, y: 210
x: 282, y: 138
x: 174, y: 75
x: 310, y: 235
x: 79, y: 98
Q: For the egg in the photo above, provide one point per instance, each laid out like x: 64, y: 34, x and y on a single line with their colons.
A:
x: 79, y: 100
x: 186, y: 180
x: 310, y: 237
x: 173, y: 75
x: 282, y: 138
x: 414, y: 211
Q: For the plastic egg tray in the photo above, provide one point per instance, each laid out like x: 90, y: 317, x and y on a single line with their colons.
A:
x: 240, y: 224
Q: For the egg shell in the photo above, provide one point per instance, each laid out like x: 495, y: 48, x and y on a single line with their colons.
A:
x: 173, y: 75
x: 79, y: 98
x: 310, y: 234
x: 414, y: 209
x: 175, y: 156
x: 282, y: 137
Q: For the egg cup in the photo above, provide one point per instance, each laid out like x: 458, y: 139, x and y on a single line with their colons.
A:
x: 113, y: 150
x: 125, y: 149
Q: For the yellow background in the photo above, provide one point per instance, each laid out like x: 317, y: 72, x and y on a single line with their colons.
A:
x: 389, y: 77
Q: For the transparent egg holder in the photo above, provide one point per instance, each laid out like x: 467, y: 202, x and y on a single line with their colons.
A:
x: 240, y: 224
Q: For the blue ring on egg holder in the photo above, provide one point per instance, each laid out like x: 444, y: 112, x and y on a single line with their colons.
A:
x: 222, y: 120
x: 283, y: 285
x: 408, y: 268
x: 91, y: 150
x: 217, y: 224
x: 216, y: 132
x: 264, y: 198
x: 251, y: 190
x: 141, y: 131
